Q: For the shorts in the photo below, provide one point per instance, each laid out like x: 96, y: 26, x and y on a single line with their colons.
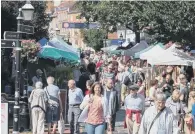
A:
x: 52, y: 114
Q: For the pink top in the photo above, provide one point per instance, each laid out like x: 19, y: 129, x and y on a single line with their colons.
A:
x: 95, y: 114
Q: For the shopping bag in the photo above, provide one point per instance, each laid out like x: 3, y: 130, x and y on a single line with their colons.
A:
x: 61, y: 125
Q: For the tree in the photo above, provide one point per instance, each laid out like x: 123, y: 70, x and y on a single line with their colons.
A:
x: 110, y: 14
x: 94, y: 38
x: 164, y: 20
x: 172, y: 20
x: 40, y: 21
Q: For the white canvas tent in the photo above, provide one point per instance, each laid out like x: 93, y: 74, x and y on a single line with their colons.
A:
x: 110, y: 48
x: 152, y: 52
x: 138, y: 47
x: 172, y: 56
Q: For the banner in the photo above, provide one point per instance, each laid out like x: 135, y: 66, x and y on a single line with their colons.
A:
x: 4, y: 118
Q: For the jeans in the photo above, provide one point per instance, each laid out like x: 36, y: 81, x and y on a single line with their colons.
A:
x: 95, y: 129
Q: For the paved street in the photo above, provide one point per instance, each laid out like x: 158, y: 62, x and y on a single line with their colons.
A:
x: 118, y: 130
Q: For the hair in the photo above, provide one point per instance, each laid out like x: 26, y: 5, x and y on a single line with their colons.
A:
x: 93, y: 86
x: 160, y: 97
x: 154, y: 82
x: 90, y: 82
x: 91, y: 67
x: 39, y: 85
x: 50, y: 80
x: 140, y: 80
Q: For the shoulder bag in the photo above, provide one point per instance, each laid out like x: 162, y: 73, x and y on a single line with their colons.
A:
x: 155, y: 119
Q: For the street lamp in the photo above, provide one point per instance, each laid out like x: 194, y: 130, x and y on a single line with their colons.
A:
x: 27, y: 10
x: 57, y: 31
x: 121, y: 38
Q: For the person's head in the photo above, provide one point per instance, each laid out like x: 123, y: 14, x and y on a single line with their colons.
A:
x: 110, y: 67
x: 154, y: 83
x: 182, y: 78
x: 39, y: 85
x: 71, y: 84
x: 168, y: 78
x: 39, y: 72
x: 133, y: 89
x: 89, y: 84
x: 176, y: 95
x: 160, y: 100
x: 50, y: 80
x: 96, y: 89
x: 139, y: 82
x: 109, y: 83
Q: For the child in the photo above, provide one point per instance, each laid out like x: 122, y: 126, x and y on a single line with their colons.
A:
x: 89, y: 83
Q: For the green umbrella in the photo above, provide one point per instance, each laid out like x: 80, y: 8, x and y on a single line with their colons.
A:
x: 57, y: 54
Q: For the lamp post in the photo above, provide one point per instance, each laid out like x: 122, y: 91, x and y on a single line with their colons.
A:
x: 57, y: 31
x: 27, y: 11
x: 121, y: 38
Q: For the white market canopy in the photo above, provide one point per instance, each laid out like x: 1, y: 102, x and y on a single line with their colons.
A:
x: 172, y: 56
x: 110, y: 48
x: 156, y: 50
x: 137, y: 48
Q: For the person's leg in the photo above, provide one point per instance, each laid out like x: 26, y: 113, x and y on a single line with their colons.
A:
x: 49, y: 118
x: 77, y: 113
x: 71, y: 119
x: 100, y: 129
x: 41, y: 119
x: 56, y: 113
x: 135, y: 127
x: 90, y: 129
x: 129, y: 125
x: 113, y: 121
x: 123, y: 92
x: 34, y: 120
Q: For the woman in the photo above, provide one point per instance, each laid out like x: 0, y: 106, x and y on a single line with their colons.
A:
x: 38, y: 108
x: 89, y: 84
x: 54, y: 104
x: 96, y: 106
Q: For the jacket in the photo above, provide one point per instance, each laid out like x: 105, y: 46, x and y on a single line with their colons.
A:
x: 113, y: 101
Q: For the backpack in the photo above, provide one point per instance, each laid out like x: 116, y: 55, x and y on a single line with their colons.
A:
x: 127, y: 81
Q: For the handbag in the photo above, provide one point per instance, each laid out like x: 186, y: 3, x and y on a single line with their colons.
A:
x: 52, y: 101
x: 155, y: 120
x: 61, y: 124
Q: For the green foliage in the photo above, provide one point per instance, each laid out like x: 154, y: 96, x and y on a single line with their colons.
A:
x: 164, y: 20
x: 9, y: 12
x: 94, y: 38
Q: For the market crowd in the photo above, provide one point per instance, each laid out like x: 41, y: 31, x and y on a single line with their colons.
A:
x: 103, y: 84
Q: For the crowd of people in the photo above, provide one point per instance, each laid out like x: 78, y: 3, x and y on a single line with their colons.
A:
x: 103, y: 84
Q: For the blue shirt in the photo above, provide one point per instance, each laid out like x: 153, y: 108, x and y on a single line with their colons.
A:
x: 135, y: 103
x: 75, y: 96
x: 52, y: 90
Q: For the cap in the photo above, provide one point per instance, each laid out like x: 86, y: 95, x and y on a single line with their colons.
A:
x: 39, y: 71
x: 135, y: 87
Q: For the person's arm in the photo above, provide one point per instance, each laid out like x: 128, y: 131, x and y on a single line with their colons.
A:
x: 60, y: 101
x: 81, y: 95
x: 84, y: 102
x: 31, y: 97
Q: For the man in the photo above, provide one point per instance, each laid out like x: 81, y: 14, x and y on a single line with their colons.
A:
x: 135, y: 105
x: 75, y: 96
x: 176, y: 106
x: 113, y: 104
x: 37, y: 77
x: 158, y: 119
x: 109, y: 74
x: 168, y: 86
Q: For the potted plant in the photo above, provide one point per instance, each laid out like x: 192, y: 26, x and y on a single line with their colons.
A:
x: 29, y: 50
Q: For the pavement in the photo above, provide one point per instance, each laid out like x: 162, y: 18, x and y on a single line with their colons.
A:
x: 119, y: 129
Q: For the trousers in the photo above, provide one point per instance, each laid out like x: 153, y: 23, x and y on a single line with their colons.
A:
x: 73, y: 116
x: 38, y: 117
